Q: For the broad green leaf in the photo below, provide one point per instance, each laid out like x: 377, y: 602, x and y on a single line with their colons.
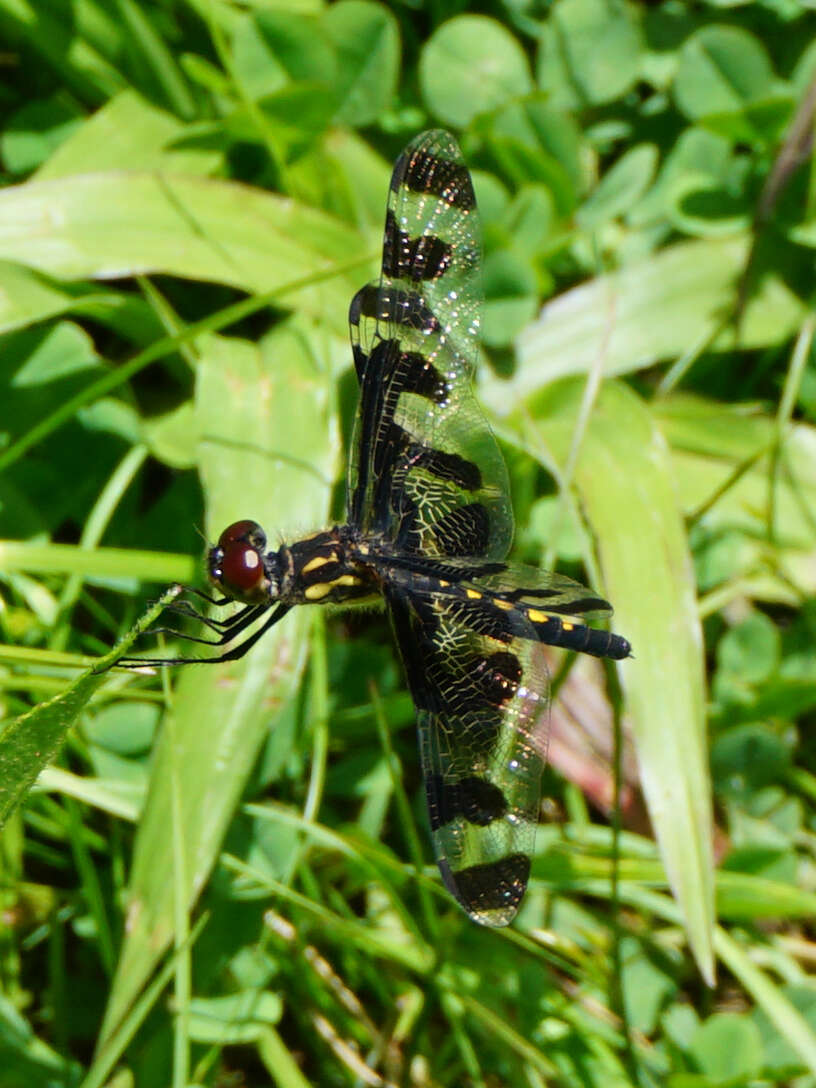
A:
x: 804, y: 70
x: 470, y: 65
x: 750, y: 649
x: 744, y: 760
x: 40, y: 367
x: 647, y: 574
x: 528, y: 220
x: 647, y: 987
x: 721, y: 69
x: 125, y: 728
x: 655, y: 309
x: 805, y: 233
x: 129, y: 133
x: 590, y: 52
x: 255, y: 405
x: 774, y: 1002
x: 366, y: 37
x: 785, y: 1049
x: 293, y: 119
x: 111, y: 225
x: 172, y: 438
x: 30, y: 742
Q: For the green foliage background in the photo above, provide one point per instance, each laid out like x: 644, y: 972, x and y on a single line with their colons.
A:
x: 224, y: 876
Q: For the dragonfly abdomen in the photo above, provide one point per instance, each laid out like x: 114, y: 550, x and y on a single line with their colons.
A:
x: 554, y: 631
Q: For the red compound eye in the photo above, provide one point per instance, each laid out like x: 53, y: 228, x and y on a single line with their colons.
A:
x: 236, y: 562
x: 241, y: 567
x: 243, y: 531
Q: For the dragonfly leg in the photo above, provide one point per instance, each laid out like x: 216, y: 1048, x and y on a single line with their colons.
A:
x: 236, y: 652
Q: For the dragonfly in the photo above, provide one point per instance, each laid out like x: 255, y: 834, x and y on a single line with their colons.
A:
x: 428, y: 526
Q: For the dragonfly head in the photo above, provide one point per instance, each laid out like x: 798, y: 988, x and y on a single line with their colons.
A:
x: 239, y: 567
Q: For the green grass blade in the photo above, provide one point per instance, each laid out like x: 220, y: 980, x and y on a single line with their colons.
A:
x: 113, y: 563
x: 624, y: 483
x: 253, y: 406
x: 158, y: 56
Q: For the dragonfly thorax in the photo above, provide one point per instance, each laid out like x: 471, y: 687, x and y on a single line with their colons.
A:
x: 327, y: 568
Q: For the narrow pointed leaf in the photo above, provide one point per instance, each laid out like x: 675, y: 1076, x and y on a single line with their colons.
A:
x: 624, y: 483
x: 253, y: 407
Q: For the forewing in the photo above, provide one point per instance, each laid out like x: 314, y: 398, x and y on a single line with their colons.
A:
x: 425, y: 470
x: 481, y: 696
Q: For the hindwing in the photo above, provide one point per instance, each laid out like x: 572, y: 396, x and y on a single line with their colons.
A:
x: 556, y: 608
x: 481, y: 693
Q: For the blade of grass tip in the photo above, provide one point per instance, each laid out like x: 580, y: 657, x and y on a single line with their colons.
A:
x: 31, y: 741
x: 409, y: 828
x: 281, y: 1066
x: 91, y: 791
x: 117, y: 1043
